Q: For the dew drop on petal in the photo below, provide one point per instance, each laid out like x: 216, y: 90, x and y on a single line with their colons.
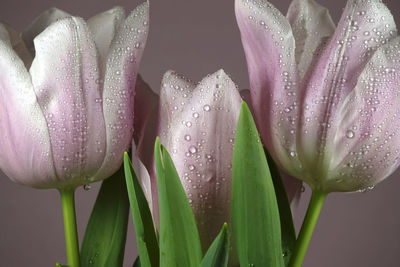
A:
x: 192, y: 149
x: 349, y: 134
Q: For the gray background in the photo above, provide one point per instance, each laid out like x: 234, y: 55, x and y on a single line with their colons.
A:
x: 194, y: 38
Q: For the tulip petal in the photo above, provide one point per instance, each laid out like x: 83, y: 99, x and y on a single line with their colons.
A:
x: 365, y: 25
x: 144, y: 135
x: 26, y: 155
x: 119, y: 85
x: 293, y: 188
x: 44, y: 20
x: 367, y: 143
x: 12, y: 38
x: 145, y: 121
x: 311, y: 25
x: 269, y: 46
x: 65, y: 75
x: 103, y: 27
x: 198, y: 124
x: 143, y: 177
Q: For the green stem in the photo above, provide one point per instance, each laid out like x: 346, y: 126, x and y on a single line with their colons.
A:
x: 310, y: 220
x: 71, y: 234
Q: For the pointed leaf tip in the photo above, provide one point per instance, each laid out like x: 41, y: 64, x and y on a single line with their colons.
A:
x: 179, y: 238
x: 218, y: 253
x: 254, y: 209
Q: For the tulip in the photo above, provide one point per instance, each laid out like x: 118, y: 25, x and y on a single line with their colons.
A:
x: 324, y: 98
x: 197, y: 125
x: 323, y: 107
x: 67, y: 121
x: 66, y: 114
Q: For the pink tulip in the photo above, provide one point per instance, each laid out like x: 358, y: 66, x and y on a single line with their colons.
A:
x: 325, y: 99
x: 67, y: 115
x: 197, y: 125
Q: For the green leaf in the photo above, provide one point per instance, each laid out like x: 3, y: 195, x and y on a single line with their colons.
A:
x: 145, y: 232
x: 218, y: 253
x: 179, y: 238
x: 285, y: 213
x: 60, y: 265
x: 254, y: 209
x: 137, y: 262
x: 104, y: 241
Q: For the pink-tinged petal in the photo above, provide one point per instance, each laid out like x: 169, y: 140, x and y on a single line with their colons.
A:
x: 103, y: 27
x: 65, y: 76
x: 144, y: 134
x: 269, y: 46
x: 311, y: 25
x: 197, y: 126
x: 26, y: 155
x: 367, y: 141
x: 119, y: 86
x: 143, y: 177
x: 365, y: 25
x: 13, y: 38
x: 44, y: 20
x: 145, y: 121
x: 293, y: 187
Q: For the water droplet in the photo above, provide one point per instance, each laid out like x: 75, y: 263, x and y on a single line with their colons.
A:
x: 192, y: 149
x: 187, y: 137
x: 191, y: 167
x: 349, y: 134
x: 206, y: 108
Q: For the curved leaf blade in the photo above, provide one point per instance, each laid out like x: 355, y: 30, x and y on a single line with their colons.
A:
x: 144, y: 228
x: 254, y: 208
x: 218, y: 253
x: 104, y: 241
x: 179, y: 237
x: 285, y: 213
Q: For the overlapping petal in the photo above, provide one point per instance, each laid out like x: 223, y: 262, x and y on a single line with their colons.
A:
x: 312, y: 26
x: 26, y: 154
x: 270, y: 52
x: 65, y: 75
x: 85, y: 102
x: 197, y: 125
x: 364, y: 26
x: 144, y: 135
x: 44, y: 20
x: 145, y: 121
x: 121, y: 70
x: 103, y: 26
x: 367, y: 143
x: 344, y: 125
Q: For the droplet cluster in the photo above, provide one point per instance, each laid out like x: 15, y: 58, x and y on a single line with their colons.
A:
x: 342, y: 110
x: 198, y: 127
